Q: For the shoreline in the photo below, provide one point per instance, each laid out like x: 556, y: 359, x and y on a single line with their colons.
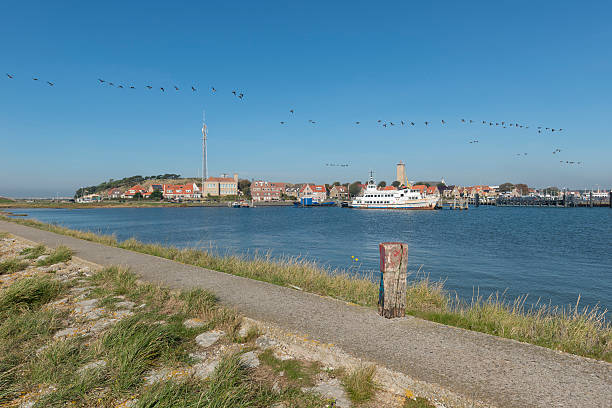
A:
x: 580, y: 331
x: 144, y: 204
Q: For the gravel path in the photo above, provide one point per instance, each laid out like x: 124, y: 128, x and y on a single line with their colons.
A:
x: 496, y: 371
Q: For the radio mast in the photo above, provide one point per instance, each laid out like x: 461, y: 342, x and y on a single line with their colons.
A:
x: 204, y: 154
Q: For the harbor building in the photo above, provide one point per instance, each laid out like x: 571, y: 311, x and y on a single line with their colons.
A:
x: 220, y: 186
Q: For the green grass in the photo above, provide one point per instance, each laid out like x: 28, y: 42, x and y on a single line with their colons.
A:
x: 60, y: 254
x: 24, y: 327
x: 4, y: 235
x: 573, y: 329
x: 33, y: 252
x: 12, y: 265
x: 29, y: 293
x: 418, y: 402
x: 132, y: 346
x: 359, y: 384
x: 294, y: 370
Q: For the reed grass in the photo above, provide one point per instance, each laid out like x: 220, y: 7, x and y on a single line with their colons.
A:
x: 573, y: 329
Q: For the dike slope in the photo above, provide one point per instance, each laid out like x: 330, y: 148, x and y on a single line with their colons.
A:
x: 497, y: 371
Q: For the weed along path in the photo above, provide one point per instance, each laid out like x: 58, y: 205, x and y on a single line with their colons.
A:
x: 493, y: 370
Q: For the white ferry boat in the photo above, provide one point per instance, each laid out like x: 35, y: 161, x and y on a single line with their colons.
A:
x: 404, y: 199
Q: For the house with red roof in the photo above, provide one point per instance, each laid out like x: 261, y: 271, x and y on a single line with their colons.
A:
x: 339, y: 193
x: 387, y: 188
x: 432, y: 190
x: 318, y: 193
x: 131, y: 192
x: 180, y: 191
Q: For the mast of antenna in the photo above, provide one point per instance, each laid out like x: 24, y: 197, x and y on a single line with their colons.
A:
x: 204, y: 154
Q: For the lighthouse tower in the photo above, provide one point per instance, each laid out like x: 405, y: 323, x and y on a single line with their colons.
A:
x: 401, y: 174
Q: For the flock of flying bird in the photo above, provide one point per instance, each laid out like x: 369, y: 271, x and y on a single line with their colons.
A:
x: 240, y: 95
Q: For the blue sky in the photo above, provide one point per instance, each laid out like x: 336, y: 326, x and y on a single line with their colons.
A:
x: 535, y: 63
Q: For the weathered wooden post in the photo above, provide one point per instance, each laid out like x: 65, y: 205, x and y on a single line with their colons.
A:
x: 393, y: 267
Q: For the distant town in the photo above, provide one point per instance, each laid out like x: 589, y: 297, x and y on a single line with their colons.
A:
x: 170, y: 187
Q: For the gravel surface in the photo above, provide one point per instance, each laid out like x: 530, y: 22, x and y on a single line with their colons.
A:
x: 496, y: 371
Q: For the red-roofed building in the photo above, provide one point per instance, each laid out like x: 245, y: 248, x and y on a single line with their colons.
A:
x: 131, y: 192
x: 387, y: 188
x: 267, y: 191
x: 220, y: 186
x: 339, y: 193
x: 433, y: 190
x: 421, y: 188
x: 180, y: 191
x: 318, y: 193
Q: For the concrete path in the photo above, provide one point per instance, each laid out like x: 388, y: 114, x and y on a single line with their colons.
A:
x: 500, y: 372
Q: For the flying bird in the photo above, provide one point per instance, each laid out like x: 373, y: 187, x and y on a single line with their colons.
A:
x: 50, y: 83
x: 282, y: 123
x: 162, y: 89
x: 377, y: 120
x: 291, y: 111
x: 212, y: 88
x: 356, y: 123
x: 101, y: 80
x: 412, y: 123
x: 120, y: 86
x: 111, y: 84
x: 149, y: 86
x: 402, y: 122
x: 35, y: 79
x: 193, y: 89
x: 384, y: 125
x: 443, y: 122
x: 176, y: 87
x: 10, y: 76
x: 132, y: 87
x: 463, y: 120
x: 241, y: 95
x: 426, y: 123
x: 234, y: 92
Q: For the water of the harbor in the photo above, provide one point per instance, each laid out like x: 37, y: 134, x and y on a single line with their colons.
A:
x: 555, y: 254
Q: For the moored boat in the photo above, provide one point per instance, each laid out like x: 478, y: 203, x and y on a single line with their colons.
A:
x: 402, y: 199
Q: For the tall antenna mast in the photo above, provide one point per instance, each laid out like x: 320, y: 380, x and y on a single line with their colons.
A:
x: 204, y: 154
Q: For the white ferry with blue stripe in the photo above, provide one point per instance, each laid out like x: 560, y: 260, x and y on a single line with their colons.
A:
x: 402, y: 199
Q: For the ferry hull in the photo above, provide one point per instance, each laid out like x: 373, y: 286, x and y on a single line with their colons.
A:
x: 426, y: 207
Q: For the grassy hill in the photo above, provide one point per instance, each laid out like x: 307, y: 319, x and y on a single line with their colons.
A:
x: 128, y: 182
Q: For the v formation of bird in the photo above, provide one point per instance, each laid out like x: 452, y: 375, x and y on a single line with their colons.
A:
x: 385, y: 124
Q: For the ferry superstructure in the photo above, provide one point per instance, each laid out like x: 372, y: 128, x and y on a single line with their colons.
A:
x: 403, y: 199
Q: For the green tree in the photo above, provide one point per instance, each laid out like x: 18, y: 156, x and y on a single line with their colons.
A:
x: 396, y: 184
x: 522, y: 188
x: 336, y: 183
x: 506, y: 187
x: 424, y: 183
x: 156, y: 195
x: 355, y: 188
x: 137, y: 196
x: 244, y: 186
x: 382, y: 184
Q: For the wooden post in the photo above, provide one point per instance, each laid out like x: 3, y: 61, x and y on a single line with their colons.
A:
x: 393, y: 266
